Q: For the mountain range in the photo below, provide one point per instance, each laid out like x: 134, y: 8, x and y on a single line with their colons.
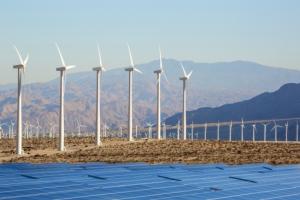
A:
x: 211, y: 85
x: 283, y: 103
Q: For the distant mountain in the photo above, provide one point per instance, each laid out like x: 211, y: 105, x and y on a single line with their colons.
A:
x: 212, y: 84
x: 283, y: 103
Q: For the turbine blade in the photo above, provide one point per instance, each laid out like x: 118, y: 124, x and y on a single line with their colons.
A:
x: 99, y: 56
x: 60, y: 55
x: 131, y: 60
x: 70, y: 67
x: 183, y: 69
x: 19, y: 55
x: 26, y: 60
x: 164, y: 74
x: 160, y: 59
x: 137, y: 70
x: 189, y: 75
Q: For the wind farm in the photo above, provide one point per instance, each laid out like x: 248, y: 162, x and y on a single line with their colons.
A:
x: 149, y: 99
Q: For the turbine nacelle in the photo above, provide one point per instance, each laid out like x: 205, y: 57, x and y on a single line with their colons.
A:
x: 23, y: 62
x: 19, y: 66
x: 64, y: 67
x: 101, y: 69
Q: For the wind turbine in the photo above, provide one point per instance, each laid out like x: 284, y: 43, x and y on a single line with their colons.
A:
x: 275, y: 130
x: 265, y: 131
x: 26, y: 129
x: 38, y: 127
x: 79, y: 125
x: 178, y: 130
x: 297, y: 131
x: 253, y: 132
x: 205, y: 131
x: 62, y: 71
x: 184, y: 78
x: 164, y: 131
x: 230, y: 131
x: 99, y: 70
x: 136, y: 131
x: 21, y: 70
x: 1, y: 131
x: 192, y: 131
x: 105, y: 128
x: 218, y: 130
x: 149, y: 125
x: 286, y: 131
x: 242, y: 130
x: 12, y: 125
x: 158, y: 74
x: 130, y: 70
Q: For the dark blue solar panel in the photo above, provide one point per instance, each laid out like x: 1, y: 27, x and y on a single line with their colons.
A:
x: 143, y: 181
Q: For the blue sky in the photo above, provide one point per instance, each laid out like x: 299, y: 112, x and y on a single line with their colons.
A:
x: 264, y: 31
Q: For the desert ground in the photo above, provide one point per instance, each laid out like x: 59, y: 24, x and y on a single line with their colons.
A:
x: 151, y: 151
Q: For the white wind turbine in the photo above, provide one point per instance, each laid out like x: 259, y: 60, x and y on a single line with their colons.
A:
x: 12, y: 125
x: 79, y: 126
x: 297, y: 131
x: 218, y: 130
x: 164, y: 131
x: 130, y: 70
x: 242, y: 130
x: 275, y: 128
x: 253, y: 132
x: 21, y: 70
x: 1, y: 131
x: 38, y: 128
x: 265, y: 131
x: 230, y: 131
x: 184, y: 78
x: 150, y: 125
x: 192, y: 131
x: 158, y: 74
x: 62, y: 71
x: 286, y: 131
x: 178, y: 130
x: 205, y: 131
x: 99, y: 70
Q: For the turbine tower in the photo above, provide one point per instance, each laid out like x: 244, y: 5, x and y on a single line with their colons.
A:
x: 184, y: 78
x: 158, y: 73
x: 99, y: 71
x: 265, y: 131
x: 275, y: 127
x: 297, y: 131
x: 286, y: 131
x: 205, y: 131
x: 149, y: 125
x: 130, y: 70
x: 230, y: 131
x: 218, y: 130
x: 21, y: 70
x: 62, y: 71
x: 242, y: 129
x: 253, y: 132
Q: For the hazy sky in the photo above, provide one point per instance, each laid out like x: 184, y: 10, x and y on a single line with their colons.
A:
x: 264, y: 31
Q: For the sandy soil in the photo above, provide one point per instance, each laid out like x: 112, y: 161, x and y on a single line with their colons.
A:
x: 151, y: 151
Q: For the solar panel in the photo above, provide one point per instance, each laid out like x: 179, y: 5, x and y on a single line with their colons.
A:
x: 144, y: 181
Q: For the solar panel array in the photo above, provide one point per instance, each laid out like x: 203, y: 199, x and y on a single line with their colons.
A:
x: 143, y: 181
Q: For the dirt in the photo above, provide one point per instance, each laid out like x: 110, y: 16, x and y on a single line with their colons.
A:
x: 151, y: 151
